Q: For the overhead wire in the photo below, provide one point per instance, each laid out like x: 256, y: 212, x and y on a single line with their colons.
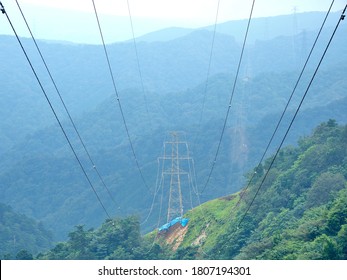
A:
x: 208, y: 70
x: 118, y: 99
x: 294, y: 117
x: 161, y: 184
x: 2, y: 9
x: 157, y: 188
x: 192, y: 183
x: 286, y: 107
x: 231, y: 98
x: 66, y: 109
x: 192, y: 175
x: 160, y: 212
x: 138, y: 65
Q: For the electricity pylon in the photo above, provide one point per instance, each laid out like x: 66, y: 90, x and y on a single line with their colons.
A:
x: 175, y: 151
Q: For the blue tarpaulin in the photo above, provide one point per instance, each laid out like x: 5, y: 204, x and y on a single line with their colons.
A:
x: 182, y: 221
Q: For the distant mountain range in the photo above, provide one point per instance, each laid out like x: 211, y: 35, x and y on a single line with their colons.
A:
x: 262, y: 29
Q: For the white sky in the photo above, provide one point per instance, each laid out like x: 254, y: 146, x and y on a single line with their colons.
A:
x: 201, y: 10
x: 150, y: 15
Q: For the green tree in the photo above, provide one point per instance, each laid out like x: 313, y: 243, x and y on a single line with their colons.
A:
x: 79, y: 243
x: 342, y: 241
x: 338, y: 213
x: 324, y: 188
x: 326, y: 248
x: 24, y: 255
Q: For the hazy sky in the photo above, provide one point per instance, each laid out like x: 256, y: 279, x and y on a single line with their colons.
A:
x: 74, y: 20
x: 197, y: 10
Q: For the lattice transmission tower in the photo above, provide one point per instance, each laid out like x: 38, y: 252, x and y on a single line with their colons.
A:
x: 178, y: 165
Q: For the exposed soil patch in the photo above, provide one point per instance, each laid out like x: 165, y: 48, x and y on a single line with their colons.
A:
x: 175, y: 235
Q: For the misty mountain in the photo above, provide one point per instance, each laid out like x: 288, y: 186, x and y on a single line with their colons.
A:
x: 262, y: 29
x: 171, y: 66
x: 43, y: 169
x: 38, y: 173
x: 267, y: 28
x: 21, y: 233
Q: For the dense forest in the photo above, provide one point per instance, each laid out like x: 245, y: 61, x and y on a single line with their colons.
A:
x: 301, y: 210
x: 300, y: 213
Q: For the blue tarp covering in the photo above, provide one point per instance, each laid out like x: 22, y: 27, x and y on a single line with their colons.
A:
x: 182, y: 221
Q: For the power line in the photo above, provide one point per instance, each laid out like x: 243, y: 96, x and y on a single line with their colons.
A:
x: 208, y: 69
x: 161, y: 185
x: 231, y: 98
x: 294, y: 117
x: 51, y: 106
x: 118, y: 100
x: 138, y: 64
x: 286, y: 107
x: 192, y: 179
x: 65, y: 107
x: 157, y: 188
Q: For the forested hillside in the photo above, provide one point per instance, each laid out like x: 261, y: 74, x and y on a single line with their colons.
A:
x: 118, y: 239
x: 170, y: 66
x: 46, y: 172
x: 20, y: 236
x: 300, y: 212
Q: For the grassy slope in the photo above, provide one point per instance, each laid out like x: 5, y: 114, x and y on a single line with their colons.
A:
x: 206, y: 223
x: 206, y: 218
